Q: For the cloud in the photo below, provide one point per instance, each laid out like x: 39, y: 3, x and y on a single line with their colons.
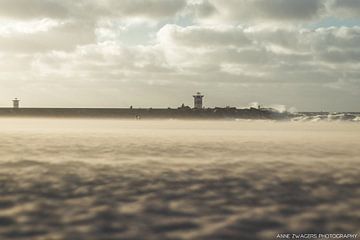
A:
x: 345, y: 8
x: 91, y: 9
x: 203, y: 55
x: 148, y: 8
x: 166, y: 45
x: 256, y: 45
x: 245, y: 11
x: 73, y: 23
x: 201, y: 9
x: 64, y: 36
x: 189, y: 56
x: 28, y: 9
x: 197, y: 36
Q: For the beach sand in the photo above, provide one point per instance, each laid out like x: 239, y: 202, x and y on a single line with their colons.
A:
x: 84, y: 179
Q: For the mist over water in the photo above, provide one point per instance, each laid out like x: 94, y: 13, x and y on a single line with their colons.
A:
x: 126, y: 179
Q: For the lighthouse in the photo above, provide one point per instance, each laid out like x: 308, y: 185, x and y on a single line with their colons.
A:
x: 198, y: 100
x: 16, y: 103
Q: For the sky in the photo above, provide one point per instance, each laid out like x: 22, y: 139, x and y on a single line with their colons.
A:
x: 304, y: 55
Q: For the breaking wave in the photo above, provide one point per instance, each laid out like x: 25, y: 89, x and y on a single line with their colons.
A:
x: 316, y: 117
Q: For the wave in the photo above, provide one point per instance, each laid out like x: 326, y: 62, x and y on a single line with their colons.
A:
x: 329, y: 117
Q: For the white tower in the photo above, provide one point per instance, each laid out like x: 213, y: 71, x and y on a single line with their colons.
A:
x: 16, y: 103
x: 198, y: 101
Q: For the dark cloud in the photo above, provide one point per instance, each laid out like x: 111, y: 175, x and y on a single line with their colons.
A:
x: 341, y: 56
x: 27, y: 9
x: 288, y: 9
x: 202, y: 9
x: 346, y: 8
x: 262, y: 10
x: 65, y: 37
x: 255, y: 45
x: 148, y: 8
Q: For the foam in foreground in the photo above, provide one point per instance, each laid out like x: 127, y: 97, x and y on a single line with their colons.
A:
x: 108, y: 179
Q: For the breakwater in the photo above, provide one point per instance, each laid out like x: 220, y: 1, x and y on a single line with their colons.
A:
x: 177, y: 113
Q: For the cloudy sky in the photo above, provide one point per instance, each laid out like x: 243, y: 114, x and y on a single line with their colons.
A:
x: 116, y: 53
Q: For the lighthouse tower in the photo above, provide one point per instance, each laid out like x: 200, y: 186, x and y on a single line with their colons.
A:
x: 198, y: 100
x: 16, y: 103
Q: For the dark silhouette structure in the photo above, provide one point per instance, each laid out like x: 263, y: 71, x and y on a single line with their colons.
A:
x: 148, y: 113
x: 16, y: 103
x: 183, y: 112
x: 198, y: 100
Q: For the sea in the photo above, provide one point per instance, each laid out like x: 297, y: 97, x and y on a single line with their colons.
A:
x: 111, y: 179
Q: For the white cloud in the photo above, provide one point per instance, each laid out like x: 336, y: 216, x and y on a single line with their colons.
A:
x: 196, y: 36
